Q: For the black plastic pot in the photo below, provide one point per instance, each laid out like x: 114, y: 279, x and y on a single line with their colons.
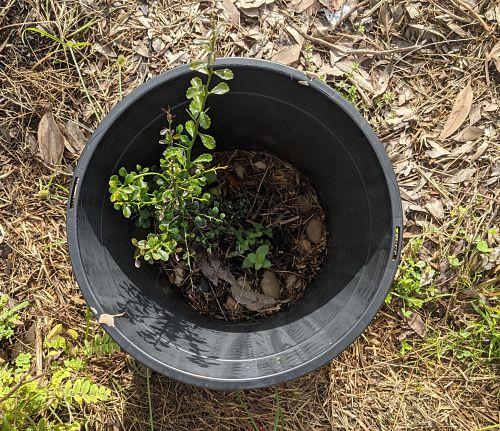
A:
x: 272, y: 108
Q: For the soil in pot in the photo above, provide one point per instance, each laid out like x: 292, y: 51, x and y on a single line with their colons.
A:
x: 279, y: 211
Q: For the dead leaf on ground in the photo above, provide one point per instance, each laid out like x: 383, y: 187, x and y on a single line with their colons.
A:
x: 494, y: 55
x: 74, y: 135
x: 381, y: 83
x: 231, y: 12
x: 251, y: 4
x: 213, y: 269
x: 435, y: 207
x: 50, y: 139
x: 332, y: 5
x: 288, y: 55
x: 461, y: 176
x: 252, y: 300
x: 459, y: 112
x: 105, y: 50
x: 300, y: 6
x: 416, y: 323
x: 355, y: 74
x: 437, y: 151
x: 470, y: 133
x: 109, y: 319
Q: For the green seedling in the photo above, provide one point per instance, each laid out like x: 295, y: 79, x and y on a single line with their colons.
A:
x: 258, y: 259
x: 9, y: 316
x: 175, y: 197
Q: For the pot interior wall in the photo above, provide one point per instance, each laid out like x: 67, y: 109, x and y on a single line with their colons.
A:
x: 264, y: 111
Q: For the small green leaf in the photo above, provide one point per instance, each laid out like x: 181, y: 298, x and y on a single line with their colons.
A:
x: 192, y: 92
x: 208, y: 141
x: 196, y: 83
x: 190, y: 127
x: 266, y: 264
x: 126, y: 211
x: 204, y: 120
x: 204, y: 158
x: 194, y: 109
x: 200, y: 66
x: 248, y: 263
x: 482, y: 246
x: 262, y: 250
x: 221, y: 88
x: 211, y: 176
x: 225, y: 74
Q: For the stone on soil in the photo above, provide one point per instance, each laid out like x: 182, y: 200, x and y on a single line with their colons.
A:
x: 270, y: 284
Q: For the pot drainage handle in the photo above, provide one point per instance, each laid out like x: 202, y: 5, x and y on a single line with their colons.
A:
x: 73, y: 191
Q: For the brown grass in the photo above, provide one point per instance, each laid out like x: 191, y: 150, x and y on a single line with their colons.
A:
x: 370, y: 386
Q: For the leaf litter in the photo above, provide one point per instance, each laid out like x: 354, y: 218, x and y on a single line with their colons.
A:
x: 273, y: 193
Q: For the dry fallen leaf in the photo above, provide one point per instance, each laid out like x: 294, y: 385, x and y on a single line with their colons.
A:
x: 355, y: 74
x: 109, y: 319
x: 459, y: 112
x: 470, y: 133
x: 331, y: 4
x: 251, y: 4
x: 300, y: 6
x: 252, y: 300
x: 494, y: 55
x: 435, y: 207
x: 437, y: 151
x: 288, y: 55
x: 231, y: 12
x: 213, y: 269
x: 74, y: 135
x: 105, y: 50
x: 381, y: 83
x: 461, y: 176
x: 50, y: 139
x: 416, y: 323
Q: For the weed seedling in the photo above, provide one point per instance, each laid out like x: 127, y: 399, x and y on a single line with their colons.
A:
x: 258, y: 259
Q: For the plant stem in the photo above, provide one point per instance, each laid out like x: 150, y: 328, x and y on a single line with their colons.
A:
x: 86, y: 91
x: 150, y: 403
x: 120, y: 92
x: 210, y: 72
x: 250, y: 416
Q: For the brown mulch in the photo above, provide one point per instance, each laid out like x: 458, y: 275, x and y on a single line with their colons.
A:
x: 404, y: 62
x: 258, y: 189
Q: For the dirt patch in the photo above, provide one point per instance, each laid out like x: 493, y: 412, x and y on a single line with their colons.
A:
x: 273, y: 202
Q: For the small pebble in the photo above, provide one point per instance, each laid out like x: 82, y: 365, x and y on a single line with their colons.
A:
x: 305, y: 244
x: 314, y: 230
x: 244, y: 283
x: 178, y: 276
x: 240, y: 171
x: 270, y: 284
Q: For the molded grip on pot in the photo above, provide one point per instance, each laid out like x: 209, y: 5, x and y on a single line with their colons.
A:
x: 310, y: 126
x: 73, y: 192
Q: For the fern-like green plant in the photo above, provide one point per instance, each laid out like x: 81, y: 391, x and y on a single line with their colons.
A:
x: 28, y: 405
x: 9, y: 316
